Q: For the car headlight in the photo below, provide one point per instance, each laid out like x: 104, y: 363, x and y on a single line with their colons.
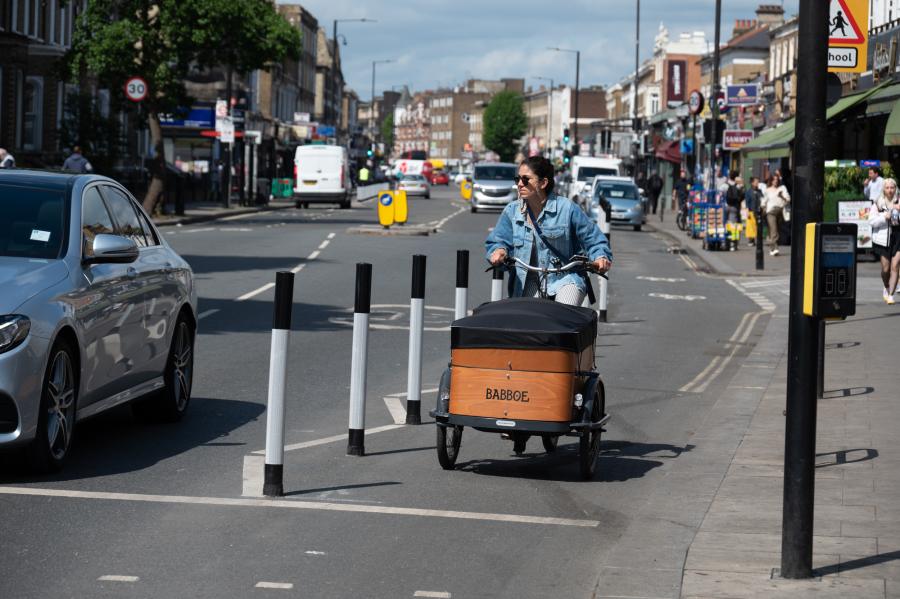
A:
x: 13, y: 331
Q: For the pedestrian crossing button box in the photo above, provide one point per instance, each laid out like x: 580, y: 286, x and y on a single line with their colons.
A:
x: 829, y: 277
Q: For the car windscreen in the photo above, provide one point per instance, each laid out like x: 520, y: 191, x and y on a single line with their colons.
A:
x: 586, y: 172
x: 612, y: 191
x: 495, y: 173
x: 414, y: 178
x: 34, y: 222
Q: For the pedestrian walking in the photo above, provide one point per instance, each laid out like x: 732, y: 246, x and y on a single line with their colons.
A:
x: 752, y: 200
x: 77, y: 163
x: 734, y: 196
x: 885, y: 220
x: 6, y: 159
x: 654, y: 188
x: 775, y: 199
x: 873, y: 185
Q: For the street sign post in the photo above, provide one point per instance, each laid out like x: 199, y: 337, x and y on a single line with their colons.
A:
x: 136, y: 89
x: 848, y: 36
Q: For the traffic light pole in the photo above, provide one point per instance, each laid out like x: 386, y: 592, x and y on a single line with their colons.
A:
x: 803, y: 331
x: 714, y: 101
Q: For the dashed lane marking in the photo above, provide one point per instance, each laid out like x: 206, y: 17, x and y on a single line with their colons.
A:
x: 255, y: 292
x: 331, y: 439
x: 118, y: 578
x: 295, y: 270
x: 315, y: 553
x: 206, y: 313
x: 283, y: 586
x: 444, y: 220
x: 293, y: 504
x: 670, y: 296
x: 700, y: 383
x: 434, y: 594
x: 661, y: 279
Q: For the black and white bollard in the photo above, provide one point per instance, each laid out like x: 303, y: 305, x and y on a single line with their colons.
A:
x: 416, y: 325
x: 603, y: 284
x: 273, y: 482
x: 462, y: 284
x: 359, y: 358
x: 497, y: 283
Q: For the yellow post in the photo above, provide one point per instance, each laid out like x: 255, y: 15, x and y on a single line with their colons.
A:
x: 400, y: 206
x: 465, y: 189
x: 386, y: 208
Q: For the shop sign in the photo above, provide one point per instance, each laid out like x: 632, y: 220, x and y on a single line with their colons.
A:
x: 197, y: 117
x: 675, y: 82
x: 870, y: 163
x: 857, y: 212
x: 745, y: 94
x: 735, y: 139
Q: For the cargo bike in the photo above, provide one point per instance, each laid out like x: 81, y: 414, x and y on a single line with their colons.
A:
x: 524, y: 367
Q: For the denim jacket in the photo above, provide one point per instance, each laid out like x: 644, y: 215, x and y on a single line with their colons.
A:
x: 563, y: 224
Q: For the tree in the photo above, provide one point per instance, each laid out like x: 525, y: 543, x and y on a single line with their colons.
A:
x: 504, y: 124
x: 163, y: 41
x: 387, y: 133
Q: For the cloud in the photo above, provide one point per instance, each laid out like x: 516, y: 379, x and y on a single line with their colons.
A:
x: 439, y: 43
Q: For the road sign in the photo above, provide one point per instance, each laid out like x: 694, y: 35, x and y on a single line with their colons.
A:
x: 386, y: 208
x: 723, y: 104
x: 695, y: 102
x: 848, y: 36
x: 221, y: 109
x: 135, y: 89
x: 745, y: 94
x: 226, y: 130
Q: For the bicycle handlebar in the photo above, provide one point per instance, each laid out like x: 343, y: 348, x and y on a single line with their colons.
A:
x: 577, y: 263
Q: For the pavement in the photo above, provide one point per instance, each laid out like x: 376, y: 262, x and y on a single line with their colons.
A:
x: 736, y: 551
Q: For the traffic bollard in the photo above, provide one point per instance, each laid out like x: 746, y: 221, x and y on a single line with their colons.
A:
x: 497, y: 284
x: 462, y: 284
x: 273, y: 485
x: 359, y: 360
x: 416, y: 325
x: 602, y: 300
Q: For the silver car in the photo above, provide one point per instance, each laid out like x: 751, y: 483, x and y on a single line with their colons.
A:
x: 97, y: 310
x: 415, y: 185
x: 627, y: 205
x: 493, y: 185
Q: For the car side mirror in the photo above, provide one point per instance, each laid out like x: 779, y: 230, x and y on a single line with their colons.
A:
x: 112, y: 249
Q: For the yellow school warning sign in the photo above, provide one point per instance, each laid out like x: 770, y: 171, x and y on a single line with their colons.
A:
x: 848, y: 36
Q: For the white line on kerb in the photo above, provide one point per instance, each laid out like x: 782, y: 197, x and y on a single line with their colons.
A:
x: 285, y: 586
x: 118, y: 578
x: 434, y: 594
x: 297, y: 505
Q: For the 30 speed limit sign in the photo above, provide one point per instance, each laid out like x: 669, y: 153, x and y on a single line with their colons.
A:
x: 135, y: 89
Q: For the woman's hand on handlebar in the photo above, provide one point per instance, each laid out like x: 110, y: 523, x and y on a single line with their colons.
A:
x: 498, y: 256
x: 602, y: 265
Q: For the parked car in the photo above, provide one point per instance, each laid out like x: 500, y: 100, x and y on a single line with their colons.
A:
x: 624, y: 197
x: 97, y: 310
x: 322, y: 175
x: 440, y: 178
x: 493, y: 186
x: 415, y: 185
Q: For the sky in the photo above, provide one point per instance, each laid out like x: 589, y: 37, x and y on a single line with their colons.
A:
x: 441, y: 44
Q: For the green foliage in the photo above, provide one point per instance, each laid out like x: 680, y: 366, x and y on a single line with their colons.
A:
x: 387, y: 132
x: 504, y: 125
x: 851, y: 179
x: 100, y: 137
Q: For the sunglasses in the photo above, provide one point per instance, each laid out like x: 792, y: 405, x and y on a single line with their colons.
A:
x: 525, y: 179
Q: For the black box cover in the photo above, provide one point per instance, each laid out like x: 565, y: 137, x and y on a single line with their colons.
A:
x: 526, y: 323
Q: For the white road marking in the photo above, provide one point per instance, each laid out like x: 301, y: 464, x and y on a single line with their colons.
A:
x: 376, y: 320
x: 234, y: 229
x: 315, y: 553
x: 253, y: 475
x: 434, y: 594
x: 298, y: 268
x: 718, y: 364
x: 444, y: 220
x: 203, y: 230
x: 284, y: 586
x: 662, y: 279
x: 314, y: 255
x: 206, y: 313
x: 256, y: 292
x: 395, y: 407
x: 404, y: 393
x: 670, y: 296
x: 331, y: 236
x: 296, y: 505
x: 331, y: 439
x: 324, y: 244
x: 240, y: 216
x: 118, y: 578
x: 757, y: 298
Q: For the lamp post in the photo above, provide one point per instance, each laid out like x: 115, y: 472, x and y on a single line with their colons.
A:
x: 333, y: 77
x: 372, y: 106
x: 637, y: 68
x: 549, y: 107
x: 714, y: 101
x: 577, y: 54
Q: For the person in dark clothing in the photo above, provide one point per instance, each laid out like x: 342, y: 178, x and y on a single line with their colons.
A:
x: 752, y: 199
x: 77, y: 163
x: 681, y: 190
x: 654, y: 188
x: 733, y: 197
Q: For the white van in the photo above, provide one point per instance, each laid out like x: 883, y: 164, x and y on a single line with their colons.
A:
x: 322, y: 174
x: 585, y: 168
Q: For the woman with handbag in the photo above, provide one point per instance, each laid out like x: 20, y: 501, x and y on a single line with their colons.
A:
x: 776, y: 203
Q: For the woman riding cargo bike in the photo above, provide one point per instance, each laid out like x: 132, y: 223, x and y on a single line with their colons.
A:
x: 525, y: 365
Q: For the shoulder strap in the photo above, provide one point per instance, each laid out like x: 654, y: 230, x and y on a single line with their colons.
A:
x: 540, y: 234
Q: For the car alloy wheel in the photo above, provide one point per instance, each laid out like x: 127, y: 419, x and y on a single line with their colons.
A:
x: 182, y: 366
x: 60, y: 390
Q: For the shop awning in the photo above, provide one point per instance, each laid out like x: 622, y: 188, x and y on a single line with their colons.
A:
x: 669, y: 151
x: 775, y: 143
x: 884, y: 100
x: 892, y: 131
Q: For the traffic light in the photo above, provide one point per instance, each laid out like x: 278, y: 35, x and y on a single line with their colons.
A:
x: 567, y: 156
x: 566, y: 136
x: 707, y: 130
x: 370, y: 153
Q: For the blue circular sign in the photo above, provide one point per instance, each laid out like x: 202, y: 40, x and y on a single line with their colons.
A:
x: 385, y: 199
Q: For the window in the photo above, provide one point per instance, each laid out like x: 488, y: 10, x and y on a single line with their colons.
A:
x: 33, y: 223
x: 32, y: 113
x: 127, y: 223
x: 149, y: 231
x: 95, y: 220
